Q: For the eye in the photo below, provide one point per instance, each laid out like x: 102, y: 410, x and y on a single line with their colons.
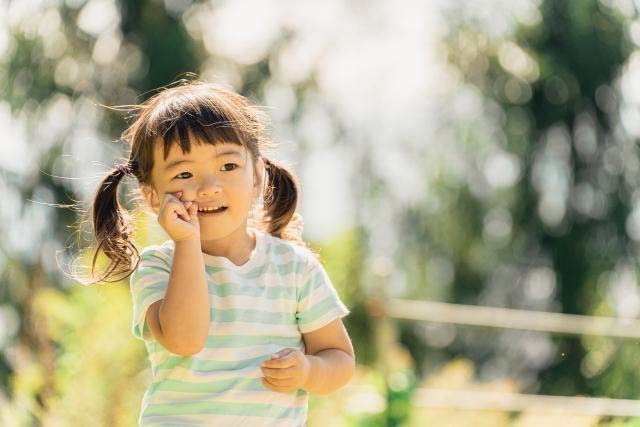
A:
x: 182, y: 173
x: 227, y: 164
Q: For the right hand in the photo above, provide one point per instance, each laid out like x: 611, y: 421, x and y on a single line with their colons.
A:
x: 179, y: 219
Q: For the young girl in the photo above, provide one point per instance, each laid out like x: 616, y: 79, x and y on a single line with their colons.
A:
x: 240, y: 322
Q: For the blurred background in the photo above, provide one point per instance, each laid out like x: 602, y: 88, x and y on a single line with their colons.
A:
x: 469, y: 170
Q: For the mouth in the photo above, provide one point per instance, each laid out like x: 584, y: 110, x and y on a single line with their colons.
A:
x: 206, y: 213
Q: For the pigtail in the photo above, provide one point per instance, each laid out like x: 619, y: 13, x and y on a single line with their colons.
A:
x: 112, y: 228
x: 281, y: 197
x: 280, y: 204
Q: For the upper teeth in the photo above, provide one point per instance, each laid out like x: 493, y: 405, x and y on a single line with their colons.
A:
x: 211, y: 209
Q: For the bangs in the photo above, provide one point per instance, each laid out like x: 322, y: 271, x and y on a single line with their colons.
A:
x: 186, y: 131
x: 195, y: 116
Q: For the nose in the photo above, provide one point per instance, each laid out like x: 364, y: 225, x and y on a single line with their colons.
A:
x: 208, y: 187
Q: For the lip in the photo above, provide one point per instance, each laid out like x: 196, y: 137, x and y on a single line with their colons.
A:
x: 206, y: 214
x: 211, y: 205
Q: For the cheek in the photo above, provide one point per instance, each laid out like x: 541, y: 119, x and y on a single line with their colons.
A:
x: 184, y: 186
x: 240, y: 188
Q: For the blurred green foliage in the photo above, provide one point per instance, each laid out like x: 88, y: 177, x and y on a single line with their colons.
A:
x: 551, y: 91
x: 550, y: 96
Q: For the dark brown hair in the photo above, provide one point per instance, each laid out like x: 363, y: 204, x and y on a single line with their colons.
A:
x: 213, y: 115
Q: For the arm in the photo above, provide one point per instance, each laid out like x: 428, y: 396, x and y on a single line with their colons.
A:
x: 180, y: 321
x: 331, y: 357
x: 327, y: 365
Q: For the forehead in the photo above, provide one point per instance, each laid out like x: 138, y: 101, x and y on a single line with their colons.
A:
x: 197, y: 151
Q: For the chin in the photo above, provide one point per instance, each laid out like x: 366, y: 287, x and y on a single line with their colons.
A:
x: 219, y: 229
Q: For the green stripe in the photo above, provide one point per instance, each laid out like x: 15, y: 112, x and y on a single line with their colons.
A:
x: 252, y: 274
x: 154, y: 254
x: 199, y: 365
x: 149, y: 290
x: 250, y: 384
x: 226, y: 408
x: 289, y: 267
x: 145, y: 271
x: 271, y: 292
x: 312, y: 283
x: 252, y: 316
x: 257, y: 272
x: 226, y: 289
x: 282, y: 269
x: 282, y: 249
x: 239, y: 341
x: 136, y: 331
x: 318, y: 310
x: 209, y: 269
x: 173, y: 424
x: 215, y: 341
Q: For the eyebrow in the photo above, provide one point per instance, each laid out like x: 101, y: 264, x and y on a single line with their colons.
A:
x: 175, y: 163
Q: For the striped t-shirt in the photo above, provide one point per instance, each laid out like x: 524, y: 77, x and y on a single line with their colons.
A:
x: 257, y: 309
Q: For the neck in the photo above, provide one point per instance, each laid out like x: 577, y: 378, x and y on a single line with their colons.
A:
x: 236, y: 246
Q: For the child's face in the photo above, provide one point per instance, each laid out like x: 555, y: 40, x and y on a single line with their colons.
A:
x: 210, y: 175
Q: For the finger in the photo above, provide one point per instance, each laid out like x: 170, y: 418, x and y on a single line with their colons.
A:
x: 279, y: 363
x: 267, y: 384
x: 163, y: 202
x: 280, y: 382
x: 179, y: 211
x: 193, y: 210
x: 277, y: 373
x: 168, y: 197
x: 273, y: 387
x: 283, y: 352
x: 172, y: 197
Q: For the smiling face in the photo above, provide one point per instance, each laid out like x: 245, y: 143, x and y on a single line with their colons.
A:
x: 211, y: 175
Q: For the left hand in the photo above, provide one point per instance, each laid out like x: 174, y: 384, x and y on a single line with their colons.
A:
x: 286, y: 373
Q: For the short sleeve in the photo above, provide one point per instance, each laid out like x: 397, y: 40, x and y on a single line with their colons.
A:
x: 318, y: 300
x: 148, y: 284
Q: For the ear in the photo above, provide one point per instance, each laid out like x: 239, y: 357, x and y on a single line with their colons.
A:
x: 258, y: 177
x: 151, y: 196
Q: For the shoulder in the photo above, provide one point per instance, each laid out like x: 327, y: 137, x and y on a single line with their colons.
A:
x: 158, y: 253
x: 153, y: 260
x: 289, y: 251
